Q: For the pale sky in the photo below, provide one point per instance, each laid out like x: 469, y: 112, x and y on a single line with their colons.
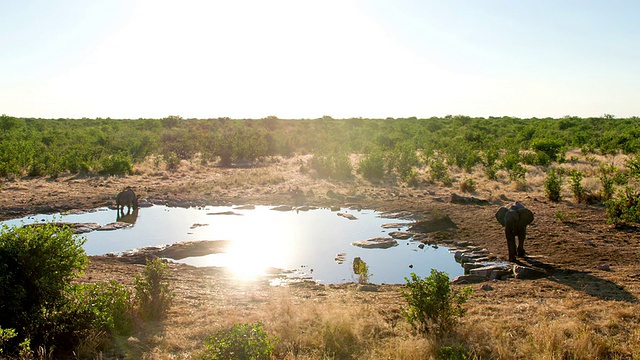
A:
x: 307, y: 59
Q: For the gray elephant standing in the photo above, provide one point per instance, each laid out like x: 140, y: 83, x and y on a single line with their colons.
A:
x: 515, y: 219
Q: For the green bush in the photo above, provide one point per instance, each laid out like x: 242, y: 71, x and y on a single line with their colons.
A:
x: 104, y: 306
x: 333, y: 166
x: 361, y: 270
x: 153, y: 295
x: 240, y: 342
x: 118, y: 164
x: 372, y: 166
x: 553, y: 185
x: 439, y: 171
x: 452, y: 353
x: 575, y: 177
x: 624, y: 208
x: 468, y: 185
x: 432, y: 303
x: 551, y: 148
x: 403, y: 159
x: 37, y: 264
x: 172, y: 161
x: 517, y: 173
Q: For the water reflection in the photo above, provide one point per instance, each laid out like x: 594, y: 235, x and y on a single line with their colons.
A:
x: 314, y: 243
x: 129, y: 218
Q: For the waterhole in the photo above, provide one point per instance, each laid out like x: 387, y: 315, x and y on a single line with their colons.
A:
x: 314, y: 244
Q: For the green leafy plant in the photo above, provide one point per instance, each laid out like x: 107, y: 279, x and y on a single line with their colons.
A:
x: 468, y: 185
x: 553, y: 185
x: 118, y: 164
x: 372, y: 166
x: 240, y: 342
x: 439, y: 171
x: 432, y: 303
x: 452, y: 353
x: 153, y: 294
x: 103, y: 306
x: 334, y: 166
x: 37, y: 264
x: 579, y: 193
x: 564, y: 217
x: 517, y: 173
x: 625, y: 207
x: 5, y: 336
x: 361, y: 270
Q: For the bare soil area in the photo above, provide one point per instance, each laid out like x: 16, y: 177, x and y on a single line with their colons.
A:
x: 593, y: 267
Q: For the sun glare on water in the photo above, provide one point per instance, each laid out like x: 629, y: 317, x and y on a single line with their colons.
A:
x: 267, y: 243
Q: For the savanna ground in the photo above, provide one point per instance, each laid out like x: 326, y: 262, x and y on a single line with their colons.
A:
x: 587, y: 308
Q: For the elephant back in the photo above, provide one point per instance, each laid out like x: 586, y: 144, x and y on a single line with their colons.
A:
x: 516, y: 215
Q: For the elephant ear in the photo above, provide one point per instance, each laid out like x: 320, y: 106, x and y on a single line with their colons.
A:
x: 500, y: 215
x: 526, y: 216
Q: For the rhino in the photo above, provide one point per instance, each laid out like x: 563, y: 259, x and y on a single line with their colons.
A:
x: 126, y: 198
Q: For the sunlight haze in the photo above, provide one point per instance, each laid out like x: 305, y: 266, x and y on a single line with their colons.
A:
x: 307, y: 59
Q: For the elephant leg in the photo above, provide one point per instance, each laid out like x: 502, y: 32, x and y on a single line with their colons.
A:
x: 522, y: 235
x: 511, y: 243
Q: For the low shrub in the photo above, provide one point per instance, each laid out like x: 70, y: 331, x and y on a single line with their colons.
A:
x: 372, y: 166
x: 624, y: 208
x: 153, y: 295
x: 439, y: 171
x: 240, y: 342
x: 579, y: 193
x: 37, y: 264
x: 361, y: 271
x: 468, y: 185
x: 333, y: 166
x: 432, y: 303
x: 553, y: 185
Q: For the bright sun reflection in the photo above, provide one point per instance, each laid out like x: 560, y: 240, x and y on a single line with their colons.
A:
x: 261, y: 248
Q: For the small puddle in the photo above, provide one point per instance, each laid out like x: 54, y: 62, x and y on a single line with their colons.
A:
x: 314, y: 244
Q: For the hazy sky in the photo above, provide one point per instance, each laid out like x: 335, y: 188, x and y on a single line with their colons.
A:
x: 306, y: 59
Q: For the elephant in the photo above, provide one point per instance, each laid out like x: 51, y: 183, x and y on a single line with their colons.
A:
x: 126, y: 198
x: 515, y: 219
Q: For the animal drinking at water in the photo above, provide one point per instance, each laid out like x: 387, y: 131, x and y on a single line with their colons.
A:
x: 515, y: 219
x: 126, y: 198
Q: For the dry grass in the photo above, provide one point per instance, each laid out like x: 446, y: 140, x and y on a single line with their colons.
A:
x: 549, y: 318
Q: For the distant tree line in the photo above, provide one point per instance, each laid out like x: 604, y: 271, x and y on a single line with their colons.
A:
x: 48, y: 147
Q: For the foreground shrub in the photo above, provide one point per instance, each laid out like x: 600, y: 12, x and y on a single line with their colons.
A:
x: 432, y: 303
x: 153, y: 295
x: 579, y: 193
x: 610, y: 176
x: 553, y: 185
x: 240, y: 342
x: 624, y: 208
x: 37, y: 264
x: 107, y: 307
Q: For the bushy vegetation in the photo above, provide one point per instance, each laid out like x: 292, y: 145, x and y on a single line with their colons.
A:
x: 432, y: 304
x: 553, y: 185
x: 153, y: 294
x: 43, y: 309
x: 241, y: 342
x: 48, y: 147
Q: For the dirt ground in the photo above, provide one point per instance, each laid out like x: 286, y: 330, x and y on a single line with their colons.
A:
x: 586, y: 258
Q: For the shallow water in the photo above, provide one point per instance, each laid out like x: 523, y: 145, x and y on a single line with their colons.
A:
x: 305, y: 241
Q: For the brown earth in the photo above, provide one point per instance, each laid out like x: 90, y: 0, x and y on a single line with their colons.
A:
x: 593, y: 265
